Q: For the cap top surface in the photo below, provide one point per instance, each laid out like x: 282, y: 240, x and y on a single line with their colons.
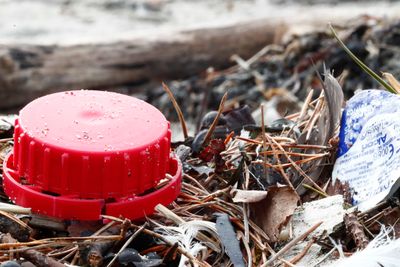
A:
x: 93, y: 121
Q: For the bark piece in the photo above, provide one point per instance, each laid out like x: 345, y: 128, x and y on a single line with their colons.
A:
x: 356, y: 229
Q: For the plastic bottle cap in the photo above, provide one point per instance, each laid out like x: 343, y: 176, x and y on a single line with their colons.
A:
x: 80, y: 154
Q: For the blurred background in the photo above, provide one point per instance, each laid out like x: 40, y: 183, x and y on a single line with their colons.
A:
x: 259, y: 51
x: 67, y: 22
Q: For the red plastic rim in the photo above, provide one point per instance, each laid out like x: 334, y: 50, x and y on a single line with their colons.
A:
x: 71, y: 207
x: 92, y: 144
x: 80, y: 154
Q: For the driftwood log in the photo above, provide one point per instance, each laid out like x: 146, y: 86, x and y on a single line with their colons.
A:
x: 29, y: 71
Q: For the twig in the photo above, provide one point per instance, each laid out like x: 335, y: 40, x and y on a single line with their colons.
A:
x: 215, y: 122
x: 300, y: 170
x: 314, y: 117
x: 291, y: 244
x: 245, y: 243
x: 315, y: 190
x: 138, y: 231
x: 196, y: 182
x: 299, y: 256
x: 246, y: 207
x: 292, y: 163
x: 264, y: 144
x: 392, y: 81
x: 59, y: 239
x: 244, y: 65
x: 305, y: 106
x: 177, y: 109
x: 294, y: 154
x: 264, y: 246
x: 74, y: 250
x: 55, y: 253
x: 75, y: 258
x: 284, y: 175
x: 303, y: 146
x: 15, y: 219
x: 181, y: 250
x: 32, y: 255
x: 325, y: 257
x: 262, y: 52
x: 288, y: 263
x: 14, y: 208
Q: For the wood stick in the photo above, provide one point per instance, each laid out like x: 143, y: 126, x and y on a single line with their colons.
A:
x: 34, y: 256
x: 133, y: 236
x: 291, y: 244
x: 299, y: 256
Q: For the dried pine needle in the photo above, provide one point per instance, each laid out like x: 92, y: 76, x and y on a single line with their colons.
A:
x: 177, y: 109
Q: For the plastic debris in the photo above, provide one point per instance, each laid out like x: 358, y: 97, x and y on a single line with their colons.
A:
x: 382, y: 251
x: 330, y: 209
x: 369, y: 154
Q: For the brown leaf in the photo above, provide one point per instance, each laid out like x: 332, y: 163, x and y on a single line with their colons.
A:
x: 274, y: 211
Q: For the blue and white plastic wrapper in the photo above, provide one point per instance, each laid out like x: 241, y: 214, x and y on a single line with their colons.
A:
x: 369, y: 147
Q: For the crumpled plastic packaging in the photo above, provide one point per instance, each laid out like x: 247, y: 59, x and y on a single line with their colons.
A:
x: 369, y: 147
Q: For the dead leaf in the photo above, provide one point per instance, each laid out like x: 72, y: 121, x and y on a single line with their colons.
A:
x: 274, y: 211
x: 248, y: 196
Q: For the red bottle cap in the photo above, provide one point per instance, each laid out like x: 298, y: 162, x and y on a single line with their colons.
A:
x: 80, y: 154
